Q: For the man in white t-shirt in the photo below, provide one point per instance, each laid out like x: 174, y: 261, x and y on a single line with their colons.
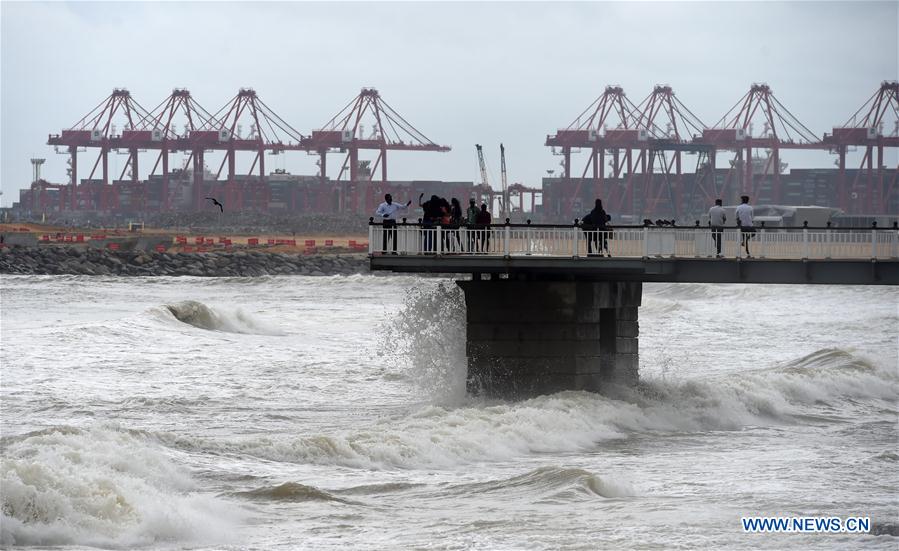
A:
x: 387, y: 212
x: 744, y: 221
x: 717, y: 218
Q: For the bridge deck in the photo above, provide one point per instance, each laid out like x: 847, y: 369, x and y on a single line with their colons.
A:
x: 782, y: 255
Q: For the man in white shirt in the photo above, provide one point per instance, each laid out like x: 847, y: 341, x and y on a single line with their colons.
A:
x: 387, y: 213
x: 717, y: 218
x: 744, y: 221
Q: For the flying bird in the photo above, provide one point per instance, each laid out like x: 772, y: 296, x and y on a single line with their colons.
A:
x: 215, y: 202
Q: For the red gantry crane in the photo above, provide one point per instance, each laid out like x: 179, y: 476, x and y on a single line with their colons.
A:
x: 644, y: 135
x: 606, y: 124
x: 386, y: 131
x: 873, y: 187
x: 160, y: 129
x: 672, y: 131
x: 98, y: 129
x: 735, y: 131
x: 267, y: 133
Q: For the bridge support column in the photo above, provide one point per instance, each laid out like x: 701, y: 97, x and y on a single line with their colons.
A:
x: 526, y: 338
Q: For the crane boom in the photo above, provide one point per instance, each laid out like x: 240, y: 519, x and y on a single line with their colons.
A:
x: 482, y: 164
x: 502, y: 162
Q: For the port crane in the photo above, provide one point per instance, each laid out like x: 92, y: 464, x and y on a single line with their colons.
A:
x: 504, y: 199
x: 482, y: 165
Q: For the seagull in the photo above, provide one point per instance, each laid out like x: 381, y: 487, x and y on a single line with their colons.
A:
x: 215, y: 202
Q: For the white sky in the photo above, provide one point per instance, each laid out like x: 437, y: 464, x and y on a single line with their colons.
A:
x: 462, y: 73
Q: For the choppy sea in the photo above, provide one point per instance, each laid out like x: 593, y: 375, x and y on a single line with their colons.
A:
x: 330, y: 413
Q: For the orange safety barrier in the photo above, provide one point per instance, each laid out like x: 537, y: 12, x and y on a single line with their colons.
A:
x: 352, y: 244
x: 310, y: 242
x: 45, y: 237
x: 271, y: 241
x: 253, y: 241
x: 210, y: 241
x: 180, y: 239
x: 79, y: 238
x: 199, y: 240
x: 112, y: 246
x: 160, y: 248
x: 329, y: 242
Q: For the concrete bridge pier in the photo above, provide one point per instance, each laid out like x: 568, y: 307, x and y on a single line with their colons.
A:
x: 526, y: 338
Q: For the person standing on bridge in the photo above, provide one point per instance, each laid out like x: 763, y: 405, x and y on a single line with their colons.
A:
x: 431, y: 214
x: 595, y: 224
x: 744, y: 222
x: 456, y: 220
x: 717, y: 218
x: 387, y: 212
x: 483, y: 221
x: 471, y: 218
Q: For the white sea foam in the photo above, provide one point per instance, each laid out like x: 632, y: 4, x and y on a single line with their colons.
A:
x: 448, y: 437
x: 102, y: 487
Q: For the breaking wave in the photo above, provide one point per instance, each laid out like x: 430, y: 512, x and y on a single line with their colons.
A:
x: 813, y: 389
x: 201, y: 316
x: 101, y: 487
x: 289, y: 492
x: 551, y: 484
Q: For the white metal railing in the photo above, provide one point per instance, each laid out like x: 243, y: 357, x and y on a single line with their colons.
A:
x: 634, y: 242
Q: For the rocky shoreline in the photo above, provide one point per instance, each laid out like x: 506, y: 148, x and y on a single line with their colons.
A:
x: 53, y: 260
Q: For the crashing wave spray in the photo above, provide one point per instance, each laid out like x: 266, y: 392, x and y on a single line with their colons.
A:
x: 429, y: 337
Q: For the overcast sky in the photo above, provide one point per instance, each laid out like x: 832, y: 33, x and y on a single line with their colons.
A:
x: 462, y: 73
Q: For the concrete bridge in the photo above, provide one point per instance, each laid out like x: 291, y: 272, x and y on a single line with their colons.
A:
x: 554, y: 308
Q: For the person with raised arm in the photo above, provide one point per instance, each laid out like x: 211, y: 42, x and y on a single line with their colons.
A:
x: 387, y: 213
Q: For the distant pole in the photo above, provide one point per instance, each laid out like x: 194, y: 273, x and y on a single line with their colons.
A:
x: 36, y: 166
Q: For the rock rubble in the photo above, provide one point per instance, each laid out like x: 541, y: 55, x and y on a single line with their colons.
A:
x: 85, y: 261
